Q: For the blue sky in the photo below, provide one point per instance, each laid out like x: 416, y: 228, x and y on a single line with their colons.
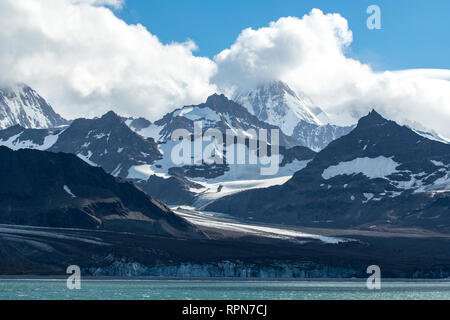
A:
x: 415, y: 34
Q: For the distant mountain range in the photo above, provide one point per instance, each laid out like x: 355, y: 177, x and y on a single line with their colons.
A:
x: 380, y: 174
x: 217, y: 112
x: 140, y: 151
x: 91, y: 191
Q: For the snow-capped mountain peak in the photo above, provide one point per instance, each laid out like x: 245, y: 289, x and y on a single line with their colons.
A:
x: 381, y: 173
x: 217, y: 112
x: 276, y: 103
x: 21, y: 105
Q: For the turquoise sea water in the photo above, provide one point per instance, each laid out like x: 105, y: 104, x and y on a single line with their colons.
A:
x: 220, y: 289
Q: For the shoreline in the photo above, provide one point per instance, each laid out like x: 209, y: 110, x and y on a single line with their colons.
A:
x: 218, y: 279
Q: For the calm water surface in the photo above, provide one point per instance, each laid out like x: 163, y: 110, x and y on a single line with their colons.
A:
x: 220, y: 289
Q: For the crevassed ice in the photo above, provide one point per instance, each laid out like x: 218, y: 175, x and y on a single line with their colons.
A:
x: 372, y: 168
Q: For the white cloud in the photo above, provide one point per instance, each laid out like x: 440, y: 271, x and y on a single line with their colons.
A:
x: 85, y: 60
x: 309, y: 54
x: 289, y: 43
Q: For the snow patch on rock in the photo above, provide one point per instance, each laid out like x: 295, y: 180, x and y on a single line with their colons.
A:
x: 373, y: 168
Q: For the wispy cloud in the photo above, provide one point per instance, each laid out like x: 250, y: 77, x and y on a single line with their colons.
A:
x: 116, y: 4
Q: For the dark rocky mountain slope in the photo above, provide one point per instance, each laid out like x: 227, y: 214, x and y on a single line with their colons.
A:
x: 380, y: 174
x: 60, y: 190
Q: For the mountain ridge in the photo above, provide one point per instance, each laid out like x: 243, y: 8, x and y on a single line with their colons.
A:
x: 379, y: 174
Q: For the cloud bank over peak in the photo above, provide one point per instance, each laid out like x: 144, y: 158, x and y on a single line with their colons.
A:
x: 310, y: 55
x: 284, y: 47
x: 85, y: 61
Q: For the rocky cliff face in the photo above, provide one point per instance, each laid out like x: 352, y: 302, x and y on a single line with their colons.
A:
x: 225, y: 269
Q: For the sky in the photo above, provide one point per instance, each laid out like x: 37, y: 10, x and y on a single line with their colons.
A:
x: 145, y: 58
x: 414, y: 34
